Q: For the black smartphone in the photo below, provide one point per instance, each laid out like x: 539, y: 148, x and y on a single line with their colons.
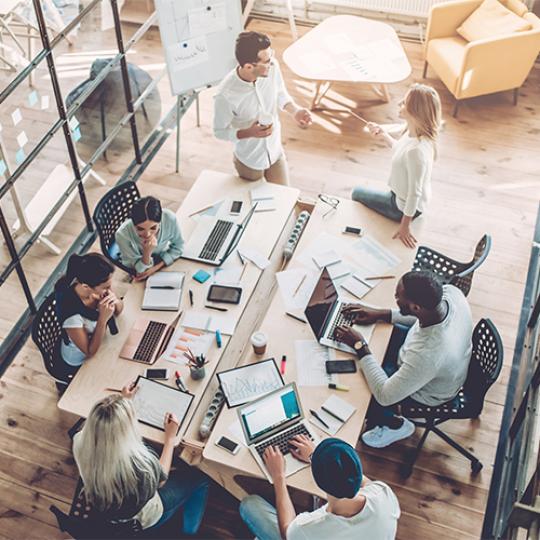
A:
x: 157, y: 374
x: 340, y: 366
x: 353, y: 230
x: 225, y: 294
x: 228, y: 445
x: 236, y: 208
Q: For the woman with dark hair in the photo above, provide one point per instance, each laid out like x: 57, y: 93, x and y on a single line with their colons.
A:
x: 150, y: 239
x: 85, y: 305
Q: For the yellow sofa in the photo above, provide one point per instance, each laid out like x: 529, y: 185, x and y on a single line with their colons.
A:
x: 476, y: 68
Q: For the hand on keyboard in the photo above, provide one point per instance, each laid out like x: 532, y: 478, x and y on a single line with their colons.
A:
x: 302, y: 447
x: 275, y: 463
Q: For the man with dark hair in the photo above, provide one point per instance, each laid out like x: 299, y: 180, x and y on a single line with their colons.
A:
x: 246, y: 110
x: 427, y: 358
x: 357, y: 507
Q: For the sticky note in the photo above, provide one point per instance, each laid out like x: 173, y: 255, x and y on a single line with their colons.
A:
x: 22, y: 139
x: 76, y: 134
x: 32, y: 98
x: 44, y: 102
x: 16, y: 116
x: 19, y: 156
x: 73, y: 123
x: 3, y: 167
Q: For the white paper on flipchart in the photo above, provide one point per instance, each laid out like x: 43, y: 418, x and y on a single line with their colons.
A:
x: 188, y: 53
x: 207, y: 19
x: 288, y: 282
x: 311, y: 358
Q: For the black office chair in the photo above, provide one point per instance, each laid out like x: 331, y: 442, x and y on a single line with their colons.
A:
x: 484, y: 368
x: 111, y: 211
x: 450, y: 271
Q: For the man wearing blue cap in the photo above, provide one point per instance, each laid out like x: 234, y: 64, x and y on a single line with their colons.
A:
x: 356, y: 508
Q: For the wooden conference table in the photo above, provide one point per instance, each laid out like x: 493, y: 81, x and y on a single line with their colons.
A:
x: 106, y: 369
x: 282, y: 332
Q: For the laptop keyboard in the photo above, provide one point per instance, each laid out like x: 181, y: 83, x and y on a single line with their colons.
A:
x: 215, y: 241
x: 282, y: 440
x: 340, y: 320
x: 149, y: 342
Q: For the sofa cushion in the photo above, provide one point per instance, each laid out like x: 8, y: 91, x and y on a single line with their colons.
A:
x: 491, y: 19
x: 519, y: 8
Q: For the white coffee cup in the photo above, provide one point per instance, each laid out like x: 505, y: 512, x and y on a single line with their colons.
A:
x: 265, y: 120
x: 259, y: 342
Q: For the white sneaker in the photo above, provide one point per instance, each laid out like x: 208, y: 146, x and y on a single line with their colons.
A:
x: 381, y: 436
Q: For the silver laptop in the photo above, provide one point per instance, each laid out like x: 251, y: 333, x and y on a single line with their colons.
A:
x: 214, y: 239
x: 324, y: 313
x: 272, y: 420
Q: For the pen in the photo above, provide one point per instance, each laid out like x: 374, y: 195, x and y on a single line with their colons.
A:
x: 358, y: 278
x: 296, y: 317
x: 218, y: 339
x: 243, y: 270
x: 191, y: 297
x: 217, y: 308
x: 332, y: 414
x: 113, y: 389
x: 179, y: 382
x: 240, y: 257
x: 300, y: 284
x: 341, y: 387
x: 283, y: 364
x: 319, y: 418
x: 381, y: 277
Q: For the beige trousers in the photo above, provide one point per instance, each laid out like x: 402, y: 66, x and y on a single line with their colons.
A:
x: 278, y: 172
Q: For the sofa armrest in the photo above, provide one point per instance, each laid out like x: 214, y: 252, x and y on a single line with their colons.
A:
x: 445, y: 18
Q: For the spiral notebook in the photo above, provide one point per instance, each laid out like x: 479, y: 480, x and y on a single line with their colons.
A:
x: 163, y: 291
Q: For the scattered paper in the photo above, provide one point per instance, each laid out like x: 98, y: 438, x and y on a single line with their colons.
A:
x: 326, y: 259
x: 255, y: 256
x: 32, y: 98
x: 263, y: 195
x: 201, y: 320
x: 197, y: 341
x: 311, y: 358
x: 22, y: 139
x: 356, y: 286
x: 372, y: 258
x: 291, y: 280
x: 16, y: 116
x: 338, y: 270
x: 335, y: 416
x: 189, y: 53
x: 226, y: 276
x: 207, y: 19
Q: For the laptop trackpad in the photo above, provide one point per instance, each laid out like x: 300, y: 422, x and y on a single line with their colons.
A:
x: 292, y: 464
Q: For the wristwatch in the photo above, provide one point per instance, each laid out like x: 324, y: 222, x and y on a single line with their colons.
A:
x: 361, y: 348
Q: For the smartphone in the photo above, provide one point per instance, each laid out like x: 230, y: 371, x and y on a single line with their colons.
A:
x: 353, y: 230
x: 236, y: 208
x: 228, y: 445
x: 157, y: 374
x: 225, y: 294
x: 340, y: 366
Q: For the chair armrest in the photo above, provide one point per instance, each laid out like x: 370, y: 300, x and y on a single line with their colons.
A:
x: 445, y: 18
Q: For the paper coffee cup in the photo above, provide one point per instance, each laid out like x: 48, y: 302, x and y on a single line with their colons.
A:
x: 259, y: 342
x: 265, y: 119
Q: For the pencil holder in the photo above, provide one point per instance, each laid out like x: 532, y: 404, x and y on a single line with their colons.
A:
x: 197, y: 373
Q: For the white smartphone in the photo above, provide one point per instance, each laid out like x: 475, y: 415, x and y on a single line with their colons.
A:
x: 228, y: 445
x: 153, y: 373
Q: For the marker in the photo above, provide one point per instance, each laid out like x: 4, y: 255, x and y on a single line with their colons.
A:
x: 191, y: 297
x: 341, y: 387
x: 218, y: 339
x: 283, y: 364
x: 179, y: 382
x: 113, y: 389
x: 323, y: 408
x: 295, y: 317
x: 319, y: 418
x: 217, y: 308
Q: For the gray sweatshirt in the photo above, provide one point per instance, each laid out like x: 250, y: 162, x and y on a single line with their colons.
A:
x: 433, y: 361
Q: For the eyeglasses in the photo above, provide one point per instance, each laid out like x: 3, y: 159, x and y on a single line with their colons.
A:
x: 333, y: 202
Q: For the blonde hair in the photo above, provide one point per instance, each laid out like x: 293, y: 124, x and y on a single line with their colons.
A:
x: 111, y: 454
x: 423, y: 104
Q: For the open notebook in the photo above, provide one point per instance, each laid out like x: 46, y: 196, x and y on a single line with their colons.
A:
x: 163, y: 291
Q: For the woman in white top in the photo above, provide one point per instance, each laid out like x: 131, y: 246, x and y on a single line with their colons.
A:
x: 123, y: 479
x: 85, y: 305
x: 412, y: 162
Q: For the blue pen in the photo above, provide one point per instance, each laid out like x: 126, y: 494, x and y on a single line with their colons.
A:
x: 218, y: 339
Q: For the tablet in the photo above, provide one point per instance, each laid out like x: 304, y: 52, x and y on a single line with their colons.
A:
x: 154, y: 399
x: 244, y: 384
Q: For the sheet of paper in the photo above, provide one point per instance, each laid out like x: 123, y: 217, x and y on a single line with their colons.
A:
x: 207, y: 19
x: 189, y: 53
x: 326, y: 259
x: 291, y: 280
x: 184, y: 339
x: 311, y: 360
x: 339, y: 270
x: 356, y: 287
x: 255, y: 256
x: 324, y: 243
x: 227, y: 276
x: 340, y: 409
x: 202, y: 320
x: 372, y: 258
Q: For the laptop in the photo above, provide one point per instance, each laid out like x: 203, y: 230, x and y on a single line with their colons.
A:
x: 214, y: 239
x: 272, y: 420
x: 148, y: 340
x: 324, y: 313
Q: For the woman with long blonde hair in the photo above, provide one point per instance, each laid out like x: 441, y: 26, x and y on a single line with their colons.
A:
x: 412, y: 162
x: 124, y: 479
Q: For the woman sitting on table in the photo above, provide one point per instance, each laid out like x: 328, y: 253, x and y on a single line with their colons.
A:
x: 85, y: 305
x: 124, y: 479
x: 412, y: 162
x: 150, y: 239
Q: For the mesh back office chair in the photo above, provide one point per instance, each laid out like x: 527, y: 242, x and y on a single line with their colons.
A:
x: 451, y: 271
x: 111, y: 211
x: 484, y: 368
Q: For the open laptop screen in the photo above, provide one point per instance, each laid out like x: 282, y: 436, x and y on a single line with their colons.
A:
x: 269, y: 412
x: 321, y: 302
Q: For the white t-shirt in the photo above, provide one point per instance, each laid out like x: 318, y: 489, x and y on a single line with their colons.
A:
x: 410, y: 175
x: 71, y: 354
x: 377, y: 520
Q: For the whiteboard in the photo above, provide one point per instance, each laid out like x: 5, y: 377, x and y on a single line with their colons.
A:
x: 198, y: 38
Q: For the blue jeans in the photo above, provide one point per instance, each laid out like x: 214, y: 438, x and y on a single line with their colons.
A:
x: 186, y: 487
x: 383, y: 202
x: 260, y: 517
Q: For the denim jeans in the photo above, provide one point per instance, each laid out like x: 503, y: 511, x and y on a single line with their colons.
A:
x: 186, y: 487
x: 383, y: 202
x: 260, y: 517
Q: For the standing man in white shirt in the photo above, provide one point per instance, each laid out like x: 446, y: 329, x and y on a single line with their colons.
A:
x: 357, y: 508
x: 246, y: 110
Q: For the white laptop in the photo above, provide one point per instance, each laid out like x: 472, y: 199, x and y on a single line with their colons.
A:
x: 324, y: 314
x: 214, y: 239
x: 272, y: 420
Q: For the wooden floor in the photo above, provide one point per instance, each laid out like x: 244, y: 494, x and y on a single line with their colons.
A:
x: 486, y: 180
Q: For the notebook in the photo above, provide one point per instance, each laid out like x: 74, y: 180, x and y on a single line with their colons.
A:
x: 163, y: 291
x: 334, y: 412
x: 263, y: 196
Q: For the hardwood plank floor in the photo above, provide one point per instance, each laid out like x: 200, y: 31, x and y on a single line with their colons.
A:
x: 486, y: 180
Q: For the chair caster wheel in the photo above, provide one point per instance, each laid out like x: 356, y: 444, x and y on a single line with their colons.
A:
x: 476, y: 467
